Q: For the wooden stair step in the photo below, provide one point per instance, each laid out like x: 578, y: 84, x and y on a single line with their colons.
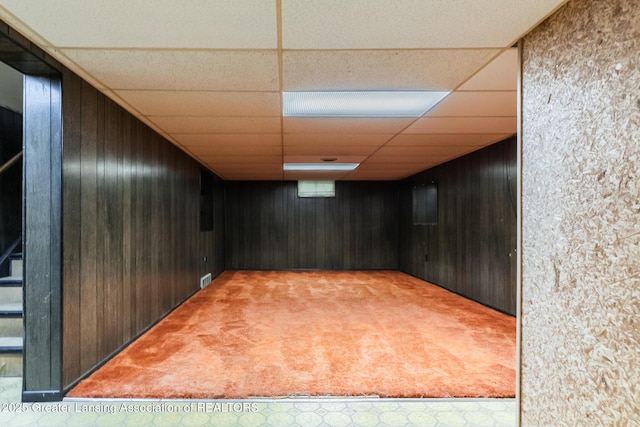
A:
x: 11, y: 310
x: 11, y: 345
x: 10, y: 281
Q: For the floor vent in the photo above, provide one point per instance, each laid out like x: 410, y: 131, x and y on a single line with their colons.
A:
x: 205, y: 280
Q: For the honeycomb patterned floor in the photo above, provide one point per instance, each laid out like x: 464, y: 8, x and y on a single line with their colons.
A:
x: 369, y: 412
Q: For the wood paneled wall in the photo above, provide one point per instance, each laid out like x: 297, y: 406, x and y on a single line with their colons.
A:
x: 133, y: 249
x: 112, y: 238
x: 42, y: 242
x: 269, y: 227
x: 471, y: 250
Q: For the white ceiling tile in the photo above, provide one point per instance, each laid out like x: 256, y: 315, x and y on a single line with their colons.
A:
x: 253, y: 161
x: 377, y: 172
x: 373, y: 177
x: 251, y: 176
x: 409, y: 140
x: 318, y: 159
x: 307, y: 125
x: 248, y: 176
x: 499, y: 74
x: 220, y: 24
x: 243, y: 166
x: 479, y: 104
x: 193, y: 103
x: 378, y: 175
x: 254, y: 125
x: 229, y: 140
x: 217, y: 151
x: 404, y: 160
x: 463, y: 125
x: 302, y: 175
x: 320, y: 140
x: 238, y: 170
x: 180, y: 69
x: 272, y: 163
x: 205, y: 73
x: 392, y: 166
x: 385, y: 170
x: 381, y: 70
x: 385, y: 24
x: 329, y: 150
x: 419, y: 152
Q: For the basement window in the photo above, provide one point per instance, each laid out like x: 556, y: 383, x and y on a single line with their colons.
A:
x: 316, y: 189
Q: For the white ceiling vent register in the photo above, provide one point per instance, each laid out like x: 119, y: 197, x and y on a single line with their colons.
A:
x: 205, y: 280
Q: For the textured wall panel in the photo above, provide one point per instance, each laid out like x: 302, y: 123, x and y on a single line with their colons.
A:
x: 581, y: 217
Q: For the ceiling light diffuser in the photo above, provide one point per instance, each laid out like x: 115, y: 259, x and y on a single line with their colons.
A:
x: 360, y: 103
x: 320, y: 166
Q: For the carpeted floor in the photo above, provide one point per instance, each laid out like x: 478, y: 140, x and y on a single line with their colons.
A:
x: 271, y: 334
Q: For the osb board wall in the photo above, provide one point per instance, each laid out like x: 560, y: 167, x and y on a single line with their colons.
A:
x: 581, y: 217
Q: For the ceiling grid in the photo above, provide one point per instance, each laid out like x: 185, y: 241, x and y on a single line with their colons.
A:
x: 209, y: 74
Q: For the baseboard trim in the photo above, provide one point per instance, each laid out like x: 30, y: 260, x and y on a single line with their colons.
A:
x: 42, y: 396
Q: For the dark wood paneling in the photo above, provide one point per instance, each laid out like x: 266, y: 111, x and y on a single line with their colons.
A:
x: 87, y: 227
x: 127, y: 200
x: 42, y: 237
x: 471, y: 249
x: 269, y: 227
x: 132, y: 245
x: 127, y: 289
x: 72, y: 190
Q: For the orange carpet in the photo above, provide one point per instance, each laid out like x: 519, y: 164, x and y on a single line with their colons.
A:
x: 271, y: 334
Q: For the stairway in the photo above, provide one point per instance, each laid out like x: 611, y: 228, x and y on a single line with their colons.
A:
x: 11, y: 326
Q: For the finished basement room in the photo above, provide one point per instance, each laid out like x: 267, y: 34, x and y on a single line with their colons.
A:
x: 269, y: 199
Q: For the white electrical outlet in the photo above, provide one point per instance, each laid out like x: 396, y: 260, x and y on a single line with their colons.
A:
x: 205, y: 280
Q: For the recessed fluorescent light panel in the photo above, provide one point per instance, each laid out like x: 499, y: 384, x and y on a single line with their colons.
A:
x: 360, y: 104
x: 320, y: 166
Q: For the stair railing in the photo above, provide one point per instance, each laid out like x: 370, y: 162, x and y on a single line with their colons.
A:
x: 10, y: 162
x: 4, y: 257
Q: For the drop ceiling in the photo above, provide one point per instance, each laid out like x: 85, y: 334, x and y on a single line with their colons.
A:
x: 208, y: 74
